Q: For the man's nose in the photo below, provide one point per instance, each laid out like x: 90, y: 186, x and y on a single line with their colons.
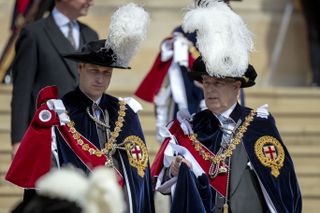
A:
x: 211, y: 88
x: 100, y: 77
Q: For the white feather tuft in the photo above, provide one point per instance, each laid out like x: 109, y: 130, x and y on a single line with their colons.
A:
x: 65, y: 183
x: 222, y: 39
x: 128, y: 28
x: 96, y: 194
x: 104, y: 194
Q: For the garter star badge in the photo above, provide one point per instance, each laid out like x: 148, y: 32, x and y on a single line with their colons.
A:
x: 137, y: 153
x: 270, y: 153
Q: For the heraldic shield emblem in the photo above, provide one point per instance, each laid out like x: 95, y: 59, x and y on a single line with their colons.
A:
x: 270, y: 153
x: 137, y: 153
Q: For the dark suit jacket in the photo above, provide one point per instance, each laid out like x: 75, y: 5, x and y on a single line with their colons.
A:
x: 38, y: 63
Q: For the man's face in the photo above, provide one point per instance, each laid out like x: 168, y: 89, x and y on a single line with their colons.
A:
x: 220, y: 94
x: 94, y: 79
x: 77, y: 8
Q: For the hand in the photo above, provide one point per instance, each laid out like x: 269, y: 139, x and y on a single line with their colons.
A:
x: 176, y: 163
x: 15, y: 148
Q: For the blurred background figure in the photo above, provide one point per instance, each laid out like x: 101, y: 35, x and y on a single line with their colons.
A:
x: 38, y: 61
x: 311, y: 10
x: 68, y: 190
x: 24, y: 12
x: 167, y: 84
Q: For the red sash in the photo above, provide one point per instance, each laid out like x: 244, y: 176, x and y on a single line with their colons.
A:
x: 219, y: 183
x: 90, y: 160
x: 152, y: 82
x: 33, y: 158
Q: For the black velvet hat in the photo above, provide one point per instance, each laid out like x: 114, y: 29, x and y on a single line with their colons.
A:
x: 95, y: 52
x: 199, y: 69
x: 127, y: 29
x: 43, y: 204
x: 223, y: 40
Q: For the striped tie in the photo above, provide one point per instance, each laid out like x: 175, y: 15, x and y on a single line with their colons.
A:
x: 228, y: 126
x: 70, y: 34
x: 101, y: 130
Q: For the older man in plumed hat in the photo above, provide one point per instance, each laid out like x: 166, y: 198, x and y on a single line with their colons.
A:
x: 89, y: 128
x: 227, y: 158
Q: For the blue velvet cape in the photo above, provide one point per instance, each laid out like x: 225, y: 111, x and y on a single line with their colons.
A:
x: 76, y: 104
x: 193, y: 195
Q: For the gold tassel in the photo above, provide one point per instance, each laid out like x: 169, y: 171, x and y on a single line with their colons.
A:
x: 225, y: 208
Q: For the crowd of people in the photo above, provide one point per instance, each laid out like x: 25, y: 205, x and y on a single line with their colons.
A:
x: 216, y: 154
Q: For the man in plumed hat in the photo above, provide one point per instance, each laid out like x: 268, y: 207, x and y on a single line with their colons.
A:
x: 227, y: 158
x: 92, y: 128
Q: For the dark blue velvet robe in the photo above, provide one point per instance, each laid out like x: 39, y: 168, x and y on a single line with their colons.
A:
x: 76, y: 103
x: 193, y: 195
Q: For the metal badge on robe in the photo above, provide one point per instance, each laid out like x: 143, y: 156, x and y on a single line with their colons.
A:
x: 45, y: 115
x: 137, y: 153
x: 270, y: 153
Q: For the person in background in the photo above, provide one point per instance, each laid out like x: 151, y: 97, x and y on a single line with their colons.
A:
x: 312, y: 17
x: 167, y: 84
x: 69, y: 190
x: 24, y: 12
x: 91, y: 127
x: 39, y: 60
x: 227, y: 158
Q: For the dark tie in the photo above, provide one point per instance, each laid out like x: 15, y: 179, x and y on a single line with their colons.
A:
x: 70, y: 34
x: 102, y: 131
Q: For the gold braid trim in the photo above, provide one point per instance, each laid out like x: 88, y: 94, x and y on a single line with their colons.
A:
x: 194, y: 52
x: 215, y: 159
x: 110, y: 145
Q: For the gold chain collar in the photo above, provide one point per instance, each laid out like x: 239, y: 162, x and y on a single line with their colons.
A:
x: 110, y: 146
x: 215, y: 159
x: 97, y: 120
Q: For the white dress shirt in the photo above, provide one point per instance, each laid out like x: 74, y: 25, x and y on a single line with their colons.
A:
x: 62, y: 22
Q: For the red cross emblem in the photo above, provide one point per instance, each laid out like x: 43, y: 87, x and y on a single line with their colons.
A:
x: 136, y: 152
x: 270, y: 152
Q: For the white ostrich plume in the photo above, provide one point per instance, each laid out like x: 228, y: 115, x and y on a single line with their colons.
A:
x: 98, y: 193
x: 104, y: 194
x: 222, y: 38
x: 66, y: 183
x: 128, y: 28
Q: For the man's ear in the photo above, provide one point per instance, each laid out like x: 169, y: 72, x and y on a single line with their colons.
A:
x: 237, y: 85
x: 80, y: 66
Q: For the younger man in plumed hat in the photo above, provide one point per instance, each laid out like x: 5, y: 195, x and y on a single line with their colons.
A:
x: 89, y: 128
x: 227, y: 158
